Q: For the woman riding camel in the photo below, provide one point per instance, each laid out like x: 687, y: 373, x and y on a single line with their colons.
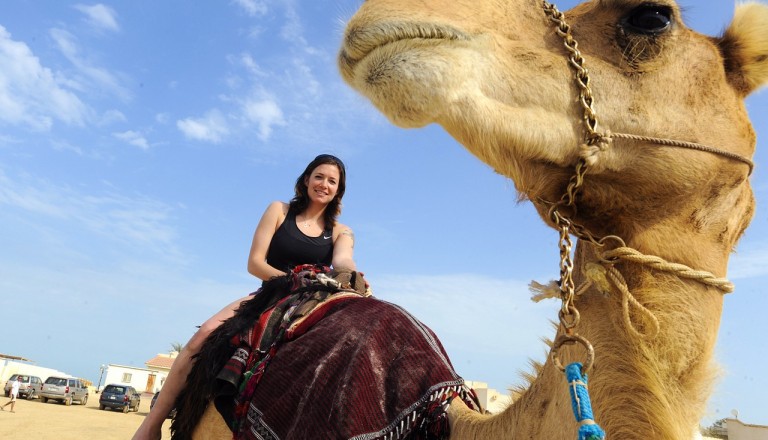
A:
x: 303, y: 231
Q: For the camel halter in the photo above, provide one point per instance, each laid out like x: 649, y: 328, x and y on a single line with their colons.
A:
x: 597, y: 141
x: 603, y: 273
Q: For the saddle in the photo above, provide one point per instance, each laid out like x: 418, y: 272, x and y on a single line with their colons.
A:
x: 326, y: 360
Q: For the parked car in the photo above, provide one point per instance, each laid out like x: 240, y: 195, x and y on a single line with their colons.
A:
x: 123, y: 397
x: 30, y: 386
x: 64, y: 389
x: 170, y: 415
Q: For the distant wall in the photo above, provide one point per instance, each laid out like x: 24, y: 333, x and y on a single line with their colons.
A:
x: 10, y: 367
x: 491, y: 401
x: 737, y: 430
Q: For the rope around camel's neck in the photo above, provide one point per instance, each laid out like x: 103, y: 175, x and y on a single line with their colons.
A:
x: 595, y: 143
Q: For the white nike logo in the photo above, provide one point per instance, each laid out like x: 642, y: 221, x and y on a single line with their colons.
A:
x: 326, y: 238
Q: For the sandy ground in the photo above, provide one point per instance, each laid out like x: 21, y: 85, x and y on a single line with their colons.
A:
x: 34, y: 420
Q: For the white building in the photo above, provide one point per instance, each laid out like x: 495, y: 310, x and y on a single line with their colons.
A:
x: 147, y: 380
x: 142, y: 379
x: 10, y: 365
x: 738, y: 430
x: 491, y: 401
x: 161, y: 365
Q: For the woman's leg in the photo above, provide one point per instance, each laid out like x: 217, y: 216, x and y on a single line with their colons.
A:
x: 151, y: 427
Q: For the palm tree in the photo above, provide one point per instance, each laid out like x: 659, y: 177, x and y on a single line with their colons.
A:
x: 176, y: 347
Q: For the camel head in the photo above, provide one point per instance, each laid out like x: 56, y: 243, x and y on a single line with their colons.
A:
x: 496, y: 76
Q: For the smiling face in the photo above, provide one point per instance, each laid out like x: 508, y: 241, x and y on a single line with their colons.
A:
x: 323, y: 183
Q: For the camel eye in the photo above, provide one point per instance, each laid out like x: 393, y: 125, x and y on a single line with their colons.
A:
x: 650, y: 19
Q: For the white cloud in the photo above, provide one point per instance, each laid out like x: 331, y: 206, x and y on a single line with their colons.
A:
x: 454, y: 304
x: 293, y: 29
x: 133, y: 220
x: 133, y: 138
x: 33, y: 95
x: 262, y: 98
x: 112, y: 116
x: 28, y: 199
x: 253, y: 8
x: 9, y: 140
x: 749, y: 263
x: 264, y: 112
x: 251, y: 66
x: 488, y: 326
x: 303, y: 72
x: 255, y: 32
x: 212, y: 127
x: 100, y: 16
x: 64, y: 145
x: 93, y: 78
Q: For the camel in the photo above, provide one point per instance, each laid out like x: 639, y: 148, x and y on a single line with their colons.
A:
x: 625, y: 129
x: 496, y: 76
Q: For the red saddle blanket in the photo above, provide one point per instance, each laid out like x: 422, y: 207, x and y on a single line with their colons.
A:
x: 352, y: 368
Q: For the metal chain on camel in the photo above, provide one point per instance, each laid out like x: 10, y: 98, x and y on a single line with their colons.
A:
x: 596, y: 142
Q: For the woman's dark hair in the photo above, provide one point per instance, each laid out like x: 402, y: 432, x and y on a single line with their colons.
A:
x: 300, y: 201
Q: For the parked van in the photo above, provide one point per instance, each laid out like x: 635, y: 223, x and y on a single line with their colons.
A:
x: 30, y: 386
x: 64, y: 389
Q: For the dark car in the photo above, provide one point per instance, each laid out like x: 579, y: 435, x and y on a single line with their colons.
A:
x: 123, y: 397
x: 170, y: 415
x: 30, y: 386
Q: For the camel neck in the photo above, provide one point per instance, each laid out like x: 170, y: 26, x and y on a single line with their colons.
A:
x: 650, y: 384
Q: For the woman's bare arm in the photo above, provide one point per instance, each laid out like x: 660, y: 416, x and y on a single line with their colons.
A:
x: 262, y: 237
x: 343, y: 248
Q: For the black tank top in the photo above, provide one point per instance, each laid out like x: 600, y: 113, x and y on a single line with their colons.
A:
x: 291, y: 247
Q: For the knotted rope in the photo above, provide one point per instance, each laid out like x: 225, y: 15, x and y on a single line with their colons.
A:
x: 581, y: 404
x: 681, y: 270
x: 603, y: 274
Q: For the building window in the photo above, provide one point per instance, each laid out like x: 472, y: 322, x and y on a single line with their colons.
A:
x: 127, y: 377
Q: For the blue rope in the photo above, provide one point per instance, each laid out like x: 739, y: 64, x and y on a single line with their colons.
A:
x: 582, y: 406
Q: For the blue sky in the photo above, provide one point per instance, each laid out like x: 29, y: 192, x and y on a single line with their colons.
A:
x: 140, y: 143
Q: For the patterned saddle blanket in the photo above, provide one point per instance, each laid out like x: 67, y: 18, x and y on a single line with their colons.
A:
x: 329, y: 361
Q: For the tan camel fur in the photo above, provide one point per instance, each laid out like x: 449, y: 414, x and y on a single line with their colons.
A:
x: 495, y: 75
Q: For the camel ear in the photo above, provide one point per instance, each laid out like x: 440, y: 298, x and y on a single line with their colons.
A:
x: 745, y: 47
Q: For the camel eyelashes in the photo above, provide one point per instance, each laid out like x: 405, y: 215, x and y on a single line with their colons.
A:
x: 649, y: 20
